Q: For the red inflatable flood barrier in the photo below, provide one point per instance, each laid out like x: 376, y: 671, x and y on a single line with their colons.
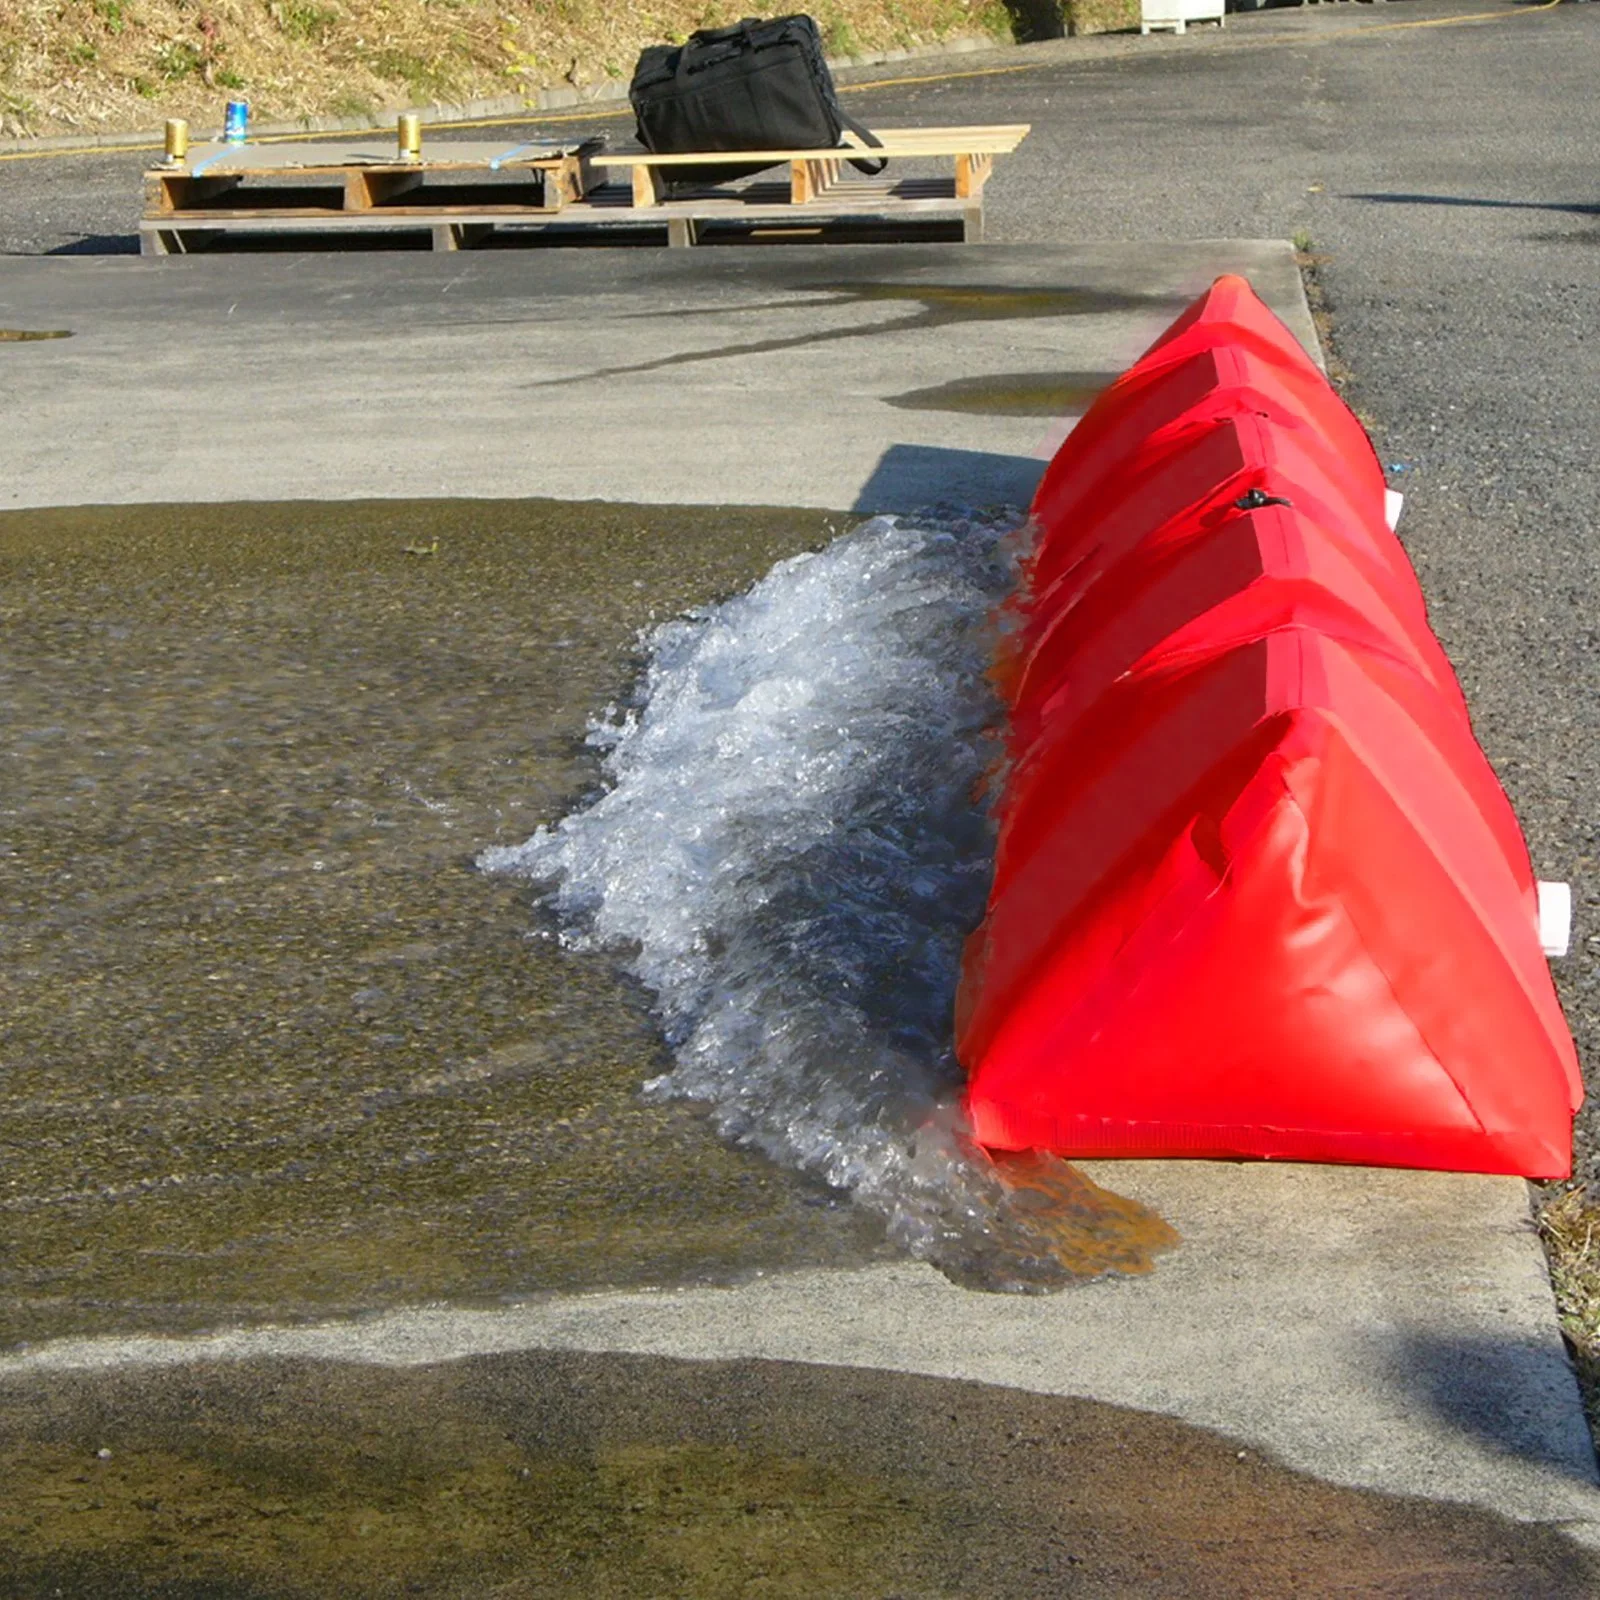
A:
x: 1258, y: 892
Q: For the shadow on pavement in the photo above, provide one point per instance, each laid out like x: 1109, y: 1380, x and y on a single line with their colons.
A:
x: 1506, y: 1394
x: 1578, y: 208
x: 909, y: 475
x: 99, y: 244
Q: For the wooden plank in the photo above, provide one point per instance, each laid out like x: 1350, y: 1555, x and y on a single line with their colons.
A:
x: 647, y: 187
x: 589, y: 176
x: 335, y: 214
x: 167, y: 193
x: 562, y: 183
x: 366, y: 187
x: 942, y: 130
x: 358, y: 189
x: 1010, y: 134
x: 276, y: 158
x: 158, y: 193
x: 809, y: 180
x: 765, y: 198
x: 997, y: 140
x: 972, y: 172
x: 1001, y: 138
x: 835, y: 199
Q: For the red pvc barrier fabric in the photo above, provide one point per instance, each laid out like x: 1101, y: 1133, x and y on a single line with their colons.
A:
x: 1258, y: 892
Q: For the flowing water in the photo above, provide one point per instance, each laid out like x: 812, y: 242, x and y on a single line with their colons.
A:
x: 791, y: 848
x: 272, y: 1048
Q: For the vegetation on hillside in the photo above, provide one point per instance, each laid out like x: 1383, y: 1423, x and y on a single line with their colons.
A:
x: 99, y: 65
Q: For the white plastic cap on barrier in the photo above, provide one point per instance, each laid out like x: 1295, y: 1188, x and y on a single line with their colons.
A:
x: 1392, y: 501
x: 1555, y: 917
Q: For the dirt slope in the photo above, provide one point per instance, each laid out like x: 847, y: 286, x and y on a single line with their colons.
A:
x: 107, y: 65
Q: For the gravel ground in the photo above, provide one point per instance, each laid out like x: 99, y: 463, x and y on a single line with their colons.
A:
x: 1445, y: 177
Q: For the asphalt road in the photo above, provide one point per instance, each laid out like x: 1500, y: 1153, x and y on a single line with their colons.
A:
x: 1440, y: 157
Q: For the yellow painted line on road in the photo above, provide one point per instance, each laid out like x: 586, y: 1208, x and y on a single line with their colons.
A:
x: 532, y: 118
x: 1452, y: 22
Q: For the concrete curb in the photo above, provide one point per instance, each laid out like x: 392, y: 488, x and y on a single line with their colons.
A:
x: 510, y: 105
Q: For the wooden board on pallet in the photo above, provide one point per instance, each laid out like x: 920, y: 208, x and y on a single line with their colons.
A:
x: 537, y: 175
x: 812, y: 173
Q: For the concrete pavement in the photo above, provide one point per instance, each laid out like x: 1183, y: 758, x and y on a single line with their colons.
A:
x: 797, y: 377
x: 1381, y: 1330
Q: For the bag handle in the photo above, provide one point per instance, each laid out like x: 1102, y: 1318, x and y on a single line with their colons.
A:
x: 702, y: 36
x: 735, y: 30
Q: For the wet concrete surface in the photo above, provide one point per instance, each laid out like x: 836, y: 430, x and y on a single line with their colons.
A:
x: 545, y: 1474
x: 272, y: 1045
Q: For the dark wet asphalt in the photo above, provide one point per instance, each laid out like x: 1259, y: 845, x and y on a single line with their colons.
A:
x: 550, y: 1474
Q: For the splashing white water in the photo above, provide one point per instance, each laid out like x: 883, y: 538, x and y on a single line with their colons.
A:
x: 791, y: 851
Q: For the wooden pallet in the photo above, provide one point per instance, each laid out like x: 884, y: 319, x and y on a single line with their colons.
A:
x: 290, y: 187
x: 444, y: 195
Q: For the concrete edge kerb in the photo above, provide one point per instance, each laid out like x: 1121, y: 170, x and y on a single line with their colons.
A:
x: 566, y: 98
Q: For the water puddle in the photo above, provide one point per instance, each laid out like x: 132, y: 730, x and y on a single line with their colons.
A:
x: 1010, y: 394
x: 790, y: 855
x: 29, y: 335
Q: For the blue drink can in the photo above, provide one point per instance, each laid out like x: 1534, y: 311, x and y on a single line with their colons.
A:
x: 236, y: 121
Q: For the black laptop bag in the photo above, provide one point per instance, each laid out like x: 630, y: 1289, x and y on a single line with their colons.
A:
x: 755, y: 86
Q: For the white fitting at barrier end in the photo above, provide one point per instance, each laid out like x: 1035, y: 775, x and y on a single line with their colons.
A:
x: 1555, y: 917
x: 1392, y: 501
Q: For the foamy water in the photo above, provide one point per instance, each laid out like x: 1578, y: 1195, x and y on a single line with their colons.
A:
x: 790, y: 852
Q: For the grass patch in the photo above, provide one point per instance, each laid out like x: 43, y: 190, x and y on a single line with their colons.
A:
x: 1569, y: 1225
x: 178, y: 59
x: 422, y: 79
x: 17, y: 115
x: 307, y: 24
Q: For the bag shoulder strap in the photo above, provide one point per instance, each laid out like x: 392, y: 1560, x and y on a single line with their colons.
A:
x: 870, y: 168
